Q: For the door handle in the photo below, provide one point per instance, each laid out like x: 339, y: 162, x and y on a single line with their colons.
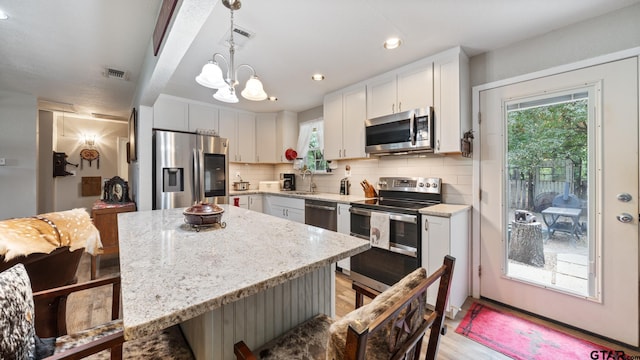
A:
x: 625, y: 218
x: 624, y: 197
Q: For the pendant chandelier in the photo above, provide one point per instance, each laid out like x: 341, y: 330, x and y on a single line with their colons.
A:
x: 211, y: 75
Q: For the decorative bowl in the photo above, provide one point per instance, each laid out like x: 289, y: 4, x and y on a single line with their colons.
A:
x: 203, y: 214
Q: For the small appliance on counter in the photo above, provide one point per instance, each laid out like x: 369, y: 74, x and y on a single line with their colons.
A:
x: 241, y: 185
x: 345, y: 186
x: 269, y: 186
x: 289, y: 181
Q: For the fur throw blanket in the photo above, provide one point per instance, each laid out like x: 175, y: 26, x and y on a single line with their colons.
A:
x: 47, y: 232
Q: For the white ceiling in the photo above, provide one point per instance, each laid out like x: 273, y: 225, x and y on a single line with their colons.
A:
x: 57, y: 49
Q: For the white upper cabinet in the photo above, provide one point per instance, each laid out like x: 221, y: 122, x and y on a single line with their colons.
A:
x: 415, y: 88
x: 240, y: 129
x: 354, y: 110
x: 382, y: 96
x: 408, y: 88
x: 246, y: 137
x: 170, y: 113
x: 203, y: 117
x: 286, y: 134
x: 332, y: 126
x: 266, y: 138
x: 344, y: 115
x: 228, y: 129
x: 451, y: 100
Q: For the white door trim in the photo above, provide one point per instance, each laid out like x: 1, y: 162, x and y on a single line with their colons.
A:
x: 475, y: 107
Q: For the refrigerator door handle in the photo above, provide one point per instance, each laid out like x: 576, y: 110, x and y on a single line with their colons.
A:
x: 196, y: 177
x: 201, y: 192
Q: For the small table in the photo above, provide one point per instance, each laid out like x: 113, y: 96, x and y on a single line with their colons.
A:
x: 551, y: 216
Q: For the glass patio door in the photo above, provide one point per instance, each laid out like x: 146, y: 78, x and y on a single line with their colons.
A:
x: 558, y: 236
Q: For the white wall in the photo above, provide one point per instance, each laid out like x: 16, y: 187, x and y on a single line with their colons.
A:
x: 69, y: 132
x: 46, y: 189
x: 310, y: 114
x: 454, y: 170
x: 253, y: 173
x: 141, y: 171
x: 618, y: 30
x: 18, y: 120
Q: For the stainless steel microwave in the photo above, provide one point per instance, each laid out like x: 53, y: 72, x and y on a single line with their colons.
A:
x: 401, y: 133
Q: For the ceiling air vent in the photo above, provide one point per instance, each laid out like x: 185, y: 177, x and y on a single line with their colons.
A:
x: 242, y: 32
x: 240, y: 37
x: 116, y: 74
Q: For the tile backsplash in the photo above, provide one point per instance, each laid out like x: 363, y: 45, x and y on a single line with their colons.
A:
x: 455, y: 171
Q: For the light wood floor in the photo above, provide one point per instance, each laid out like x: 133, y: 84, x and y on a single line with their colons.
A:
x: 93, y: 307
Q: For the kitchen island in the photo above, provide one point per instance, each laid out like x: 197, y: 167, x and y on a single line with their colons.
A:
x: 251, y: 280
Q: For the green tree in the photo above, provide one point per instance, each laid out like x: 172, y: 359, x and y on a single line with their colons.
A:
x: 546, y: 133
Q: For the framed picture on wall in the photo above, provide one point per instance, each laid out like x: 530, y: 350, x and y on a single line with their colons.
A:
x: 133, y: 124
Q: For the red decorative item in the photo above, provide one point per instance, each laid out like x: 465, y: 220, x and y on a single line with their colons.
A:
x: 290, y: 154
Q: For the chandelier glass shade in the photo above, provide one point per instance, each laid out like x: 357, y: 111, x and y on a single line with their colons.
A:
x: 212, y: 76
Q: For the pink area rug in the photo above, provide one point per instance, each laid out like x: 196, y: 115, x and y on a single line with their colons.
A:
x: 522, y: 339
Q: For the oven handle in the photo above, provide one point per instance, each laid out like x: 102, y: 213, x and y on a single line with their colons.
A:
x: 393, y: 247
x: 404, y: 250
x: 412, y: 219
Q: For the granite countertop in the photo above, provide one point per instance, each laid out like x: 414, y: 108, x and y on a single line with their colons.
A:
x: 345, y: 199
x: 171, y: 273
x: 444, y: 210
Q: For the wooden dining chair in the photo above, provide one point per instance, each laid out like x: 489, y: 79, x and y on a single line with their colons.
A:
x: 18, y: 339
x: 392, y: 326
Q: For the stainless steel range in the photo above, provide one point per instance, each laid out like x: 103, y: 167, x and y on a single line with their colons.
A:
x: 400, y: 199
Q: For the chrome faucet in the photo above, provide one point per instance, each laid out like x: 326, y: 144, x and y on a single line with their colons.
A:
x: 312, y: 186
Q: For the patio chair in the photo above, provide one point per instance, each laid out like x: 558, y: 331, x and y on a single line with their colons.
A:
x: 391, y: 326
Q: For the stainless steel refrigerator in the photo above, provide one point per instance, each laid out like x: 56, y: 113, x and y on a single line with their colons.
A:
x: 189, y: 168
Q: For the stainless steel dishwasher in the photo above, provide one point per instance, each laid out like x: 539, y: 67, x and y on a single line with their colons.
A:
x: 322, y: 214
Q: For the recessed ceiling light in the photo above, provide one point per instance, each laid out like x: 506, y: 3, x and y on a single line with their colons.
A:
x: 3, y: 15
x: 392, y: 43
x: 272, y: 98
x: 317, y: 77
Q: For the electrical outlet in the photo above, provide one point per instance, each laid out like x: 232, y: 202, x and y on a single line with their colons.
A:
x: 238, y: 174
x: 3, y: 162
x: 347, y: 173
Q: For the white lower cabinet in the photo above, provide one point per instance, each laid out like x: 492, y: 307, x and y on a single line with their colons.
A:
x: 256, y: 203
x: 285, y: 207
x: 447, y: 236
x: 344, y: 227
x: 251, y: 202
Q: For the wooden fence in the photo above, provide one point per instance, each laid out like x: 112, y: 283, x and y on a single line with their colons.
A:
x: 543, y: 191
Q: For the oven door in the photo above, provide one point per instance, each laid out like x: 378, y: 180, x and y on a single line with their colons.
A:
x: 380, y: 268
x: 404, y: 234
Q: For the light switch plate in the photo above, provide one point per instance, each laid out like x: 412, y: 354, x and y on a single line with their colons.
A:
x: 3, y: 162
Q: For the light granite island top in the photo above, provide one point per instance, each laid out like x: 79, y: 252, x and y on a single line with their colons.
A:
x: 171, y: 273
